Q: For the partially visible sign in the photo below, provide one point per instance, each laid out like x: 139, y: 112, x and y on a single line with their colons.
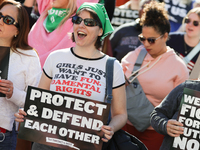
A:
x: 4, y: 64
x: 177, y: 9
x: 122, y: 16
x: 189, y: 115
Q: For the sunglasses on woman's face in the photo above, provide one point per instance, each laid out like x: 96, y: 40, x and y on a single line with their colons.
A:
x: 88, y: 21
x: 195, y: 23
x: 150, y: 40
x: 9, y: 20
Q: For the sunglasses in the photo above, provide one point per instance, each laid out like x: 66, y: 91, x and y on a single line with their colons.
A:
x: 88, y: 21
x: 150, y: 40
x: 9, y: 20
x: 195, y: 23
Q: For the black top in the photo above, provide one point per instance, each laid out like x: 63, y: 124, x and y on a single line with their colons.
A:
x: 110, y: 7
x: 32, y: 17
x: 176, y: 41
x: 125, y: 39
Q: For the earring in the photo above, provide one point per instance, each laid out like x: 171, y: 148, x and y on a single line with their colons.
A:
x: 15, y: 35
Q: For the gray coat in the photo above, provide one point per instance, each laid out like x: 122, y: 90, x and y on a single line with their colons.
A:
x: 168, y: 109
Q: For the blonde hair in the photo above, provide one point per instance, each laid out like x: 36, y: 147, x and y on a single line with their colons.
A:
x: 194, y: 10
x: 72, y: 10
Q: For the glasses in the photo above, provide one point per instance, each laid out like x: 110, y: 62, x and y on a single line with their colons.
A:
x: 150, y: 40
x: 195, y: 23
x: 9, y: 20
x: 88, y: 21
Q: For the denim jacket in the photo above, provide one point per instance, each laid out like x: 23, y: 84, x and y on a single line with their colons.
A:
x: 168, y: 109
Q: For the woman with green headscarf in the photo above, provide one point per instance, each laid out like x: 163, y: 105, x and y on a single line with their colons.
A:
x: 90, y: 26
x: 47, y: 33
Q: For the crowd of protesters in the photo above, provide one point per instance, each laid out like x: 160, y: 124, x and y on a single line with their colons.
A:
x: 37, y: 35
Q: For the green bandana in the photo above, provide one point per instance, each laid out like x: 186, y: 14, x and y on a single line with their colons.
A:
x: 55, y: 16
x: 103, y: 16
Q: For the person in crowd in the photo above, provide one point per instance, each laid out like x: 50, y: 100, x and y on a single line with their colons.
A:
x: 196, y: 3
x: 90, y: 26
x: 125, y: 38
x: 46, y: 35
x: 189, y: 39
x: 23, y: 68
x: 161, y: 70
x: 164, y: 117
x: 31, y: 7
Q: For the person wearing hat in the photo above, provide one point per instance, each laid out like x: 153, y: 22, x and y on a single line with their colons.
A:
x: 90, y: 26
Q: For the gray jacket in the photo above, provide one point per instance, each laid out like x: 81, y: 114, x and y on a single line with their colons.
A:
x: 168, y: 109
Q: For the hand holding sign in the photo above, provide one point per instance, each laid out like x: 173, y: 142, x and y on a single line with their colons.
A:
x: 108, y: 133
x: 174, y: 128
x: 6, y: 87
x: 20, y: 115
x: 189, y: 115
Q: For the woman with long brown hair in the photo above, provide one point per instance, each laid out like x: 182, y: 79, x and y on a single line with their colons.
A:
x: 21, y: 65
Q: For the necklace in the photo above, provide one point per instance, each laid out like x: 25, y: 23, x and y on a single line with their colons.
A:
x: 186, y: 50
x: 78, y: 67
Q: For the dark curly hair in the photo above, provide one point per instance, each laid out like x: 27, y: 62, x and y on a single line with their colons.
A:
x: 154, y: 15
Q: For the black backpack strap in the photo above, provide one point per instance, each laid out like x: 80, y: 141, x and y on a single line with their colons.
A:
x: 109, y: 81
x: 109, y: 78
